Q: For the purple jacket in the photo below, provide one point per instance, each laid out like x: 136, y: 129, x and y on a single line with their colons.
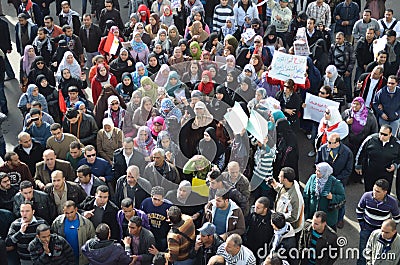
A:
x: 140, y: 213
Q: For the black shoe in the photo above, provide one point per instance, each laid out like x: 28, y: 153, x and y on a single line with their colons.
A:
x: 126, y: 6
x: 340, y: 224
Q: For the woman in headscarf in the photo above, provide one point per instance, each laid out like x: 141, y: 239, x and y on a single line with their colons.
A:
x: 51, y: 95
x: 176, y: 61
x: 195, y: 128
x: 195, y: 50
x: 142, y: 115
x: 361, y: 123
x: 172, y: 152
x: 103, y: 77
x: 197, y: 33
x: 257, y: 63
x: 320, y: 55
x: 26, y: 99
x: 321, y: 191
x: 250, y: 72
x: 229, y: 66
x: 184, y: 47
x: 67, y: 80
x: 167, y: 17
x: 229, y: 28
x: 271, y: 39
x: 175, y: 88
x: 115, y: 111
x: 332, y: 122
x: 139, y: 73
x: 126, y: 87
x: 231, y: 40
x: 206, y: 85
x: 25, y: 66
x: 162, y: 76
x: 213, y: 46
x: 334, y: 80
x: 290, y: 103
x: 255, y: 103
x: 168, y: 109
x: 38, y: 67
x: 109, y: 138
x: 139, y: 51
x: 134, y: 102
x: 144, y: 143
x: 193, y: 76
x: 153, y: 66
x: 70, y: 63
x: 198, y: 167
x: 139, y: 27
x: 115, y: 31
x: 156, y: 125
x: 212, y: 149
x: 148, y: 88
x: 98, y: 59
x: 215, y: 74
x: 154, y: 26
x: 144, y: 14
x: 221, y: 102
x: 124, y: 63
x: 245, y: 91
x: 314, y: 76
x: 163, y: 41
x: 160, y: 53
x: 205, y: 60
x: 173, y: 36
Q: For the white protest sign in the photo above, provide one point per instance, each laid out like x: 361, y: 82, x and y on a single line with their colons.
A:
x: 257, y: 126
x: 316, y: 106
x: 301, y: 44
x: 285, y: 66
x: 236, y: 118
x: 379, y: 45
x: 248, y: 34
x: 175, y: 4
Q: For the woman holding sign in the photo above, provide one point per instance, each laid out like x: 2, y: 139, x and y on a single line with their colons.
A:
x: 290, y: 103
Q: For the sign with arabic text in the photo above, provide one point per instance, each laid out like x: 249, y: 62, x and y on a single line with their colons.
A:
x: 285, y: 66
x: 316, y: 106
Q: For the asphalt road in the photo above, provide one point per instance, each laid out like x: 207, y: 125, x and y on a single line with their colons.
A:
x: 13, y: 126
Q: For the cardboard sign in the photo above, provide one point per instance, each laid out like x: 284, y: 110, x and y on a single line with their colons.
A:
x: 285, y: 66
x: 316, y: 106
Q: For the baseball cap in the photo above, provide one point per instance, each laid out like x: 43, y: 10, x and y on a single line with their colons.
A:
x: 207, y: 229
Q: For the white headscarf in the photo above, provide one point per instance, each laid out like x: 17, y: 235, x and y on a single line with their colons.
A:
x: 108, y: 121
x: 74, y: 68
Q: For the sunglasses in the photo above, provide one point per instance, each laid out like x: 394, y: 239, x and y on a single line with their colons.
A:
x: 156, y: 199
x: 114, y: 103
x: 257, y: 41
x: 384, y: 134
x: 92, y: 155
x: 327, y: 113
x: 39, y: 63
x: 322, y: 92
x: 139, y: 27
x: 332, y: 142
x: 286, y: 86
x: 391, y: 83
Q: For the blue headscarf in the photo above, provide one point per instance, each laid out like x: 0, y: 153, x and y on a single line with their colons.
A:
x: 168, y: 109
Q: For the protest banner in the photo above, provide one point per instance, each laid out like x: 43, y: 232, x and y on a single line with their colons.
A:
x: 379, y: 45
x: 257, y: 126
x: 316, y: 106
x: 300, y: 46
x: 285, y: 66
x: 236, y: 118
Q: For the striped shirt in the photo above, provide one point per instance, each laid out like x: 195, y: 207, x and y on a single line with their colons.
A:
x: 21, y: 240
x: 320, y: 13
x: 374, y: 212
x: 263, y: 158
x: 313, y: 247
x: 244, y: 257
x: 221, y: 13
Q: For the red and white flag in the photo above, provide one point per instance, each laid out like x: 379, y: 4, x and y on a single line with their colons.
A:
x: 112, y: 44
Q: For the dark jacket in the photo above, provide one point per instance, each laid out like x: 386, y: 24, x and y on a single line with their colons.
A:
x: 328, y: 238
x: 92, y: 43
x: 203, y: 255
x: 258, y: 225
x: 366, y: 79
x: 74, y: 192
x: 142, y: 191
x: 113, y: 15
x: 119, y: 165
x: 5, y: 40
x: 105, y: 252
x: 394, y: 66
x: 87, y: 129
x: 349, y: 58
x: 7, y: 198
x: 35, y: 156
x: 347, y: 13
x: 287, y: 242
x: 76, y: 22
x: 45, y: 52
x: 61, y: 252
x: 293, y: 103
x: 96, y: 182
x: 76, y: 46
x: 390, y: 103
x: 169, y: 178
x: 342, y: 163
x: 146, y: 239
x: 363, y: 52
x: 32, y: 28
x: 34, y: 13
x: 43, y: 175
x: 109, y: 216
x: 42, y: 204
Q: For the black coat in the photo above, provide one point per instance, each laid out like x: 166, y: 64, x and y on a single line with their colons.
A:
x: 258, y: 225
x: 113, y: 15
x: 5, y: 39
x: 120, y: 166
x: 34, y: 157
x: 76, y: 23
x: 293, y: 103
x: 109, y: 216
x: 91, y: 44
x: 87, y: 130
x: 142, y: 191
x: 45, y: 52
x: 74, y: 192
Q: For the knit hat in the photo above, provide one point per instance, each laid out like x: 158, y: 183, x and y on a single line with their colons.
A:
x: 207, y: 229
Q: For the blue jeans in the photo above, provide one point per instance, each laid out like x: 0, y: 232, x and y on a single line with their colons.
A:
x: 364, y: 235
x: 394, y: 124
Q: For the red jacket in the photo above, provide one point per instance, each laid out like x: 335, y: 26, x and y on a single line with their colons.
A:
x: 274, y: 81
x: 97, y: 87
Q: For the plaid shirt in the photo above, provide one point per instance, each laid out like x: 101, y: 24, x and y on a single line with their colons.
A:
x: 320, y: 13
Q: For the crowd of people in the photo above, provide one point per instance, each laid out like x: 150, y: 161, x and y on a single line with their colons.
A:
x: 127, y: 155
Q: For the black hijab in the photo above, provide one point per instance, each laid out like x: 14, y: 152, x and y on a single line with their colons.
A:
x: 45, y: 91
x: 153, y: 69
x: 212, y: 149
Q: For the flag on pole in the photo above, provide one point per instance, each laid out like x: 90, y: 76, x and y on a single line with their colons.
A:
x: 112, y: 44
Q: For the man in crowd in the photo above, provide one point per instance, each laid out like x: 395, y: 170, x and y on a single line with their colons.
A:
x: 90, y: 35
x: 7, y: 192
x: 234, y: 252
x: 370, y: 83
x: 367, y: 22
x: 60, y: 190
x: 18, y: 171
x: 110, y: 13
x: 363, y: 52
x: 393, y: 50
x: 50, y: 163
x: 30, y: 152
x: 25, y: 32
x: 139, y: 241
x: 206, y: 244
x: 99, y: 166
x: 48, y: 248
x: 99, y: 209
x: 69, y: 17
x: 346, y: 14
x: 42, y: 204
x: 36, y: 127
x: 280, y: 18
x: 53, y: 30
x: 389, y: 22
x: 385, y: 240
x: 126, y: 213
x: 133, y: 186
x: 225, y: 215
x: 60, y: 141
x: 22, y: 231
x: 87, y: 180
x: 373, y: 208
x: 320, y: 11
x: 316, y: 238
x: 75, y: 154
x: 82, y: 125
x: 80, y: 229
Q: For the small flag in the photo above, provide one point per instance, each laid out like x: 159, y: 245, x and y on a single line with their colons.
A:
x: 112, y: 44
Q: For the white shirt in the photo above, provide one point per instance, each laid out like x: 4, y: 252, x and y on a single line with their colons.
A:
x: 372, y: 85
x: 388, y: 25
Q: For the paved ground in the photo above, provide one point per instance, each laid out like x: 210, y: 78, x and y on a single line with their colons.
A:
x: 13, y: 126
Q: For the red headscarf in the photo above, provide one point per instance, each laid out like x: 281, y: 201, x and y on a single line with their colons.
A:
x: 145, y: 18
x: 206, y: 88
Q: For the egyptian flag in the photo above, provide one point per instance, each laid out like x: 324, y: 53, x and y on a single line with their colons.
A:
x: 112, y: 44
